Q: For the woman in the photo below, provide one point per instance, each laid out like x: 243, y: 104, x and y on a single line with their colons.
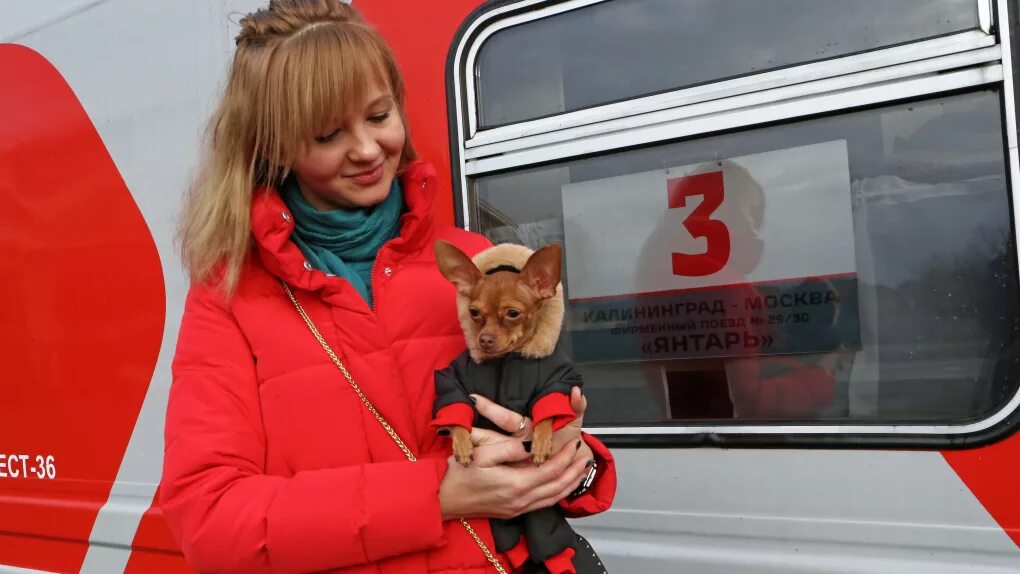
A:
x: 273, y: 463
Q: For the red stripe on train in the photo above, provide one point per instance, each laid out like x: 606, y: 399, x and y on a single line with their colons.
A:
x: 154, y: 548
x: 992, y: 473
x: 83, y: 306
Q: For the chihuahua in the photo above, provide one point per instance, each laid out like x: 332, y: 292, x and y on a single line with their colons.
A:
x: 511, y: 315
x: 510, y: 304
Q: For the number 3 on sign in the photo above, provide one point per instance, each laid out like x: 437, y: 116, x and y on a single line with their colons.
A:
x: 700, y: 223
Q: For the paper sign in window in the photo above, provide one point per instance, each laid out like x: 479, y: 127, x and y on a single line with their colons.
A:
x: 747, y: 255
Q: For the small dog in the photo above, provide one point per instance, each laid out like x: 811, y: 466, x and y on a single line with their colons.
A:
x: 511, y: 309
x: 507, y: 310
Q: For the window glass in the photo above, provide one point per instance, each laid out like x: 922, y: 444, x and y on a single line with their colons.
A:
x: 859, y: 267
x: 621, y: 49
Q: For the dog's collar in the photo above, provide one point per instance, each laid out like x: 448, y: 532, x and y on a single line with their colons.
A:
x: 509, y: 268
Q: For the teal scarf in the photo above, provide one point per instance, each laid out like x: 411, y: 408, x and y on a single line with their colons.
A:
x: 344, y: 242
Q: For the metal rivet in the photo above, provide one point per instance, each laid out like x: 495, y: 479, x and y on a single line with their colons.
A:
x: 286, y: 216
x: 387, y: 271
x: 308, y: 266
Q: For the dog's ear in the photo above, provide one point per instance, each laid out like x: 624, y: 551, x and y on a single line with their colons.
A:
x: 457, y: 267
x: 542, y: 271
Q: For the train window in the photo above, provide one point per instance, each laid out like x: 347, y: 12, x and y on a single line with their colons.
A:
x: 588, y: 55
x: 869, y: 272
x: 807, y: 233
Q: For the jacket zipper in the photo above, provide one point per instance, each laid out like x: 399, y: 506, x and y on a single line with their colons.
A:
x: 373, y: 287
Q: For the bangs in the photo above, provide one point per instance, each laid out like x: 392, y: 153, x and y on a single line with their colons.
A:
x: 315, y: 79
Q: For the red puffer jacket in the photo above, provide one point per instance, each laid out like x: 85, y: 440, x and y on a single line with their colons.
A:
x: 272, y: 462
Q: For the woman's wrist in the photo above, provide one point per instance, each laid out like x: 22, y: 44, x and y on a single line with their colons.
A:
x: 587, y: 480
x: 585, y: 450
x: 602, y: 490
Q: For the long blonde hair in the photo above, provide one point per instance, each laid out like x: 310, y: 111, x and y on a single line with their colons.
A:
x: 298, y: 67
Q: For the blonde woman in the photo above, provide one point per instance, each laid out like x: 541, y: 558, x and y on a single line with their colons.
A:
x: 274, y: 461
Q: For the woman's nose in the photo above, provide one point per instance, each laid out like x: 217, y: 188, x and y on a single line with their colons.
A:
x: 364, y: 147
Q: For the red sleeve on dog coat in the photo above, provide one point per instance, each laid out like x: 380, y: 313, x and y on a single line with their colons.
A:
x: 554, y: 406
x: 457, y: 414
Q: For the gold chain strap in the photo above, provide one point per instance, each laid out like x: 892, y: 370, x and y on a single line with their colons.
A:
x: 368, y: 404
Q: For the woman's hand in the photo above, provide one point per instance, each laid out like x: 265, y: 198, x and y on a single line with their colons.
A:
x: 494, y: 486
x: 510, y: 422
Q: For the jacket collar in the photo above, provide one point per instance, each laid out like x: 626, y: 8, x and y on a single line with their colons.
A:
x: 272, y: 225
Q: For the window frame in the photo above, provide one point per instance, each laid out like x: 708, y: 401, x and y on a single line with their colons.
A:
x: 942, y: 65
x: 779, y: 76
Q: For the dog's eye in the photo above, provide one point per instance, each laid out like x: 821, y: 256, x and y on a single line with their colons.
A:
x: 513, y: 313
x: 475, y: 313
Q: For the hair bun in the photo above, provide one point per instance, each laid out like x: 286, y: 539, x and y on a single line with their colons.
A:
x: 285, y: 17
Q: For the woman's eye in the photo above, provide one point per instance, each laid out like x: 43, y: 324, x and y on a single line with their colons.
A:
x: 475, y: 313
x: 513, y: 313
x: 379, y: 118
x: 328, y: 137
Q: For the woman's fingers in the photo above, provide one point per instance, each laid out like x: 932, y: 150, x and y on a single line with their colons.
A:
x: 543, y: 482
x: 506, y: 419
x: 494, y: 486
x: 578, y: 401
x: 555, y: 491
x: 480, y: 436
x: 570, y: 433
x: 585, y: 453
x: 502, y: 480
x: 498, y: 453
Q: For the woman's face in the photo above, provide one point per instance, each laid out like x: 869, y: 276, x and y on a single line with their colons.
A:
x: 353, y: 165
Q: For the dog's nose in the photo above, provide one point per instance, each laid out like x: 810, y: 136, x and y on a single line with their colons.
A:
x: 487, y: 340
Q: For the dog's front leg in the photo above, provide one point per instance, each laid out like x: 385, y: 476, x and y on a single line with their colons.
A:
x: 541, y: 441
x: 462, y: 445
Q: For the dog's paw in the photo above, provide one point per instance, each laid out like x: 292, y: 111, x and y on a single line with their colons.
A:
x: 541, y: 450
x: 463, y: 453
x: 463, y: 448
x: 463, y: 458
x: 542, y: 441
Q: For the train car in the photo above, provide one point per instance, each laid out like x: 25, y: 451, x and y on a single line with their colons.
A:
x: 790, y: 261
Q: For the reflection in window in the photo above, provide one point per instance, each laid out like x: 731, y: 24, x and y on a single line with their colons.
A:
x: 931, y: 305
x: 622, y: 49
